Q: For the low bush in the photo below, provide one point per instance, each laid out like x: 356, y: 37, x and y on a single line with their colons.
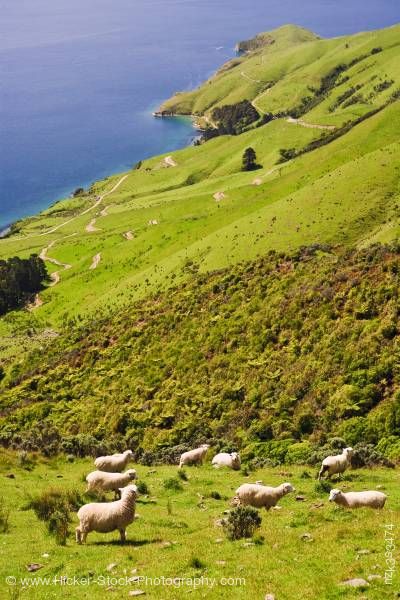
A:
x: 242, y: 522
x: 53, y: 506
x: 173, y: 484
x: 142, y: 487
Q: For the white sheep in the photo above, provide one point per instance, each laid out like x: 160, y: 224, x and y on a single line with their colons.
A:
x: 332, y: 465
x: 224, y: 459
x: 194, y: 457
x: 369, y: 499
x: 105, y: 517
x: 106, y: 482
x: 261, y: 496
x: 114, y: 463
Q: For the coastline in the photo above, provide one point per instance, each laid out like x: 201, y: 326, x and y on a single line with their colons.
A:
x: 195, y: 119
x: 6, y: 230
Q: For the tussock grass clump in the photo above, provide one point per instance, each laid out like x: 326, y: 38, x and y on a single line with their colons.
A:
x: 242, y: 522
x: 54, y: 506
x: 182, y: 475
x: 143, y: 488
x: 215, y: 495
x: 196, y: 563
x: 4, y: 517
x: 25, y: 461
x: 173, y: 484
x: 323, y: 487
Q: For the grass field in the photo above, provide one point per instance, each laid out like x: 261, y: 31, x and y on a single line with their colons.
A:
x: 176, y: 536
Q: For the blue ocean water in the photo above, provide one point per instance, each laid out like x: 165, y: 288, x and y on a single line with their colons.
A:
x: 79, y: 79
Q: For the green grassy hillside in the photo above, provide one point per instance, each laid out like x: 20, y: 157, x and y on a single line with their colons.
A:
x: 189, y: 301
x: 177, y: 536
x: 273, y: 357
x: 277, y: 76
x: 345, y: 192
x: 196, y: 211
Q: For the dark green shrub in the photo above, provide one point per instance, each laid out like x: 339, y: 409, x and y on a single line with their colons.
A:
x: 53, y: 506
x: 196, y: 563
x: 323, y: 487
x: 215, y: 495
x: 25, y: 461
x: 173, y: 484
x: 182, y: 475
x: 389, y: 447
x: 299, y: 454
x: 242, y: 522
x: 366, y: 455
x: 142, y: 487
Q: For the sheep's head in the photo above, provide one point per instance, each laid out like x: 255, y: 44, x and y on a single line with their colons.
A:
x: 128, y: 453
x: 131, y: 473
x: 235, y: 501
x: 287, y: 488
x: 205, y: 446
x: 130, y: 491
x: 235, y: 459
x: 348, y: 452
x: 334, y: 494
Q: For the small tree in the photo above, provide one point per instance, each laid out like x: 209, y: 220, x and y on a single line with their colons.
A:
x: 249, y: 160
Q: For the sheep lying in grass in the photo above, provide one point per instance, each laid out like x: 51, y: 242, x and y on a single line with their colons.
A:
x: 106, y: 482
x: 194, y: 457
x: 369, y: 499
x: 105, y: 517
x: 224, y: 459
x: 332, y: 465
x: 261, y: 496
x: 114, y: 463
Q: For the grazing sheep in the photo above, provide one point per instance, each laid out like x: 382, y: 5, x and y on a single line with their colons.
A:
x: 370, y: 499
x: 261, y: 496
x: 114, y: 463
x: 333, y: 465
x: 105, y: 482
x: 105, y: 517
x: 194, y: 457
x: 224, y: 459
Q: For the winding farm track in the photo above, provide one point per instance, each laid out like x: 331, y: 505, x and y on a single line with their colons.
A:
x: 260, y: 110
x: 245, y: 76
x: 99, y: 200
x: 95, y: 261
x: 309, y: 125
x: 55, y: 276
x: 90, y: 228
x: 35, y: 304
x: 259, y: 180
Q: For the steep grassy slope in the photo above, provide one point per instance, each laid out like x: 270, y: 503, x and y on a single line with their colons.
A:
x: 264, y: 356
x: 276, y: 77
x: 144, y: 226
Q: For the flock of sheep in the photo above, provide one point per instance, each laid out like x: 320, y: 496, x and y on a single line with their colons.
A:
x: 105, y: 517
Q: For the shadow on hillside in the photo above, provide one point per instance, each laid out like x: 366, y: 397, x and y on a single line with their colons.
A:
x: 136, y: 543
